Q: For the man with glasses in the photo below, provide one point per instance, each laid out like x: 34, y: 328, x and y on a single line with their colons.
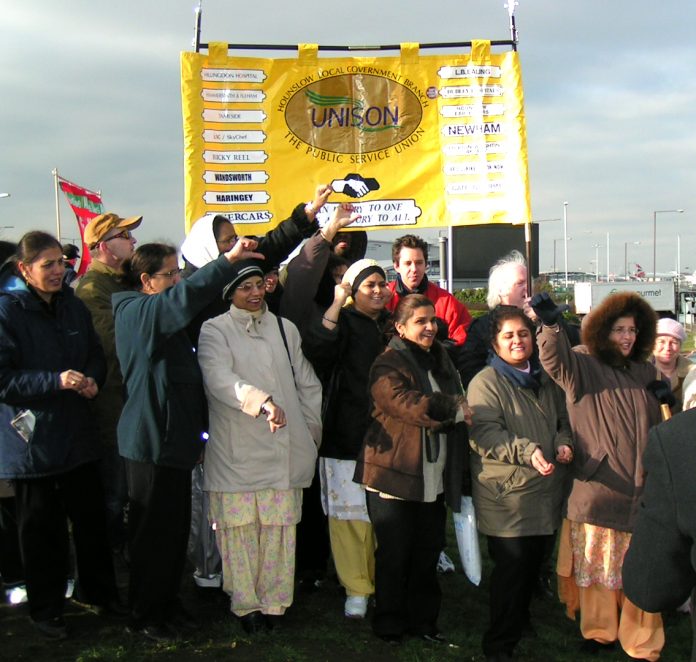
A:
x: 110, y: 242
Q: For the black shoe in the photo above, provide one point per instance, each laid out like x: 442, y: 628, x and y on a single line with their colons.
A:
x: 391, y: 639
x: 113, y: 607
x: 159, y: 633
x: 180, y: 619
x: 52, y: 628
x: 592, y: 646
x: 499, y: 657
x: 254, y: 622
x: 274, y: 620
x: 528, y: 631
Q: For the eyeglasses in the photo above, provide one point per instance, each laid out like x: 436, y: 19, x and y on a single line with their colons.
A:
x: 625, y: 331
x: 124, y: 234
x: 248, y: 287
x: 224, y: 241
x: 168, y: 274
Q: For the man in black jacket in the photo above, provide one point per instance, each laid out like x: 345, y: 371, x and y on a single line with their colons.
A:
x: 659, y: 570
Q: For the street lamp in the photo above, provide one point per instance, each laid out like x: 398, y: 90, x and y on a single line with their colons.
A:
x: 4, y: 195
x: 596, y: 261
x: 655, y: 213
x: 554, y: 249
x: 565, y: 245
x: 626, y: 243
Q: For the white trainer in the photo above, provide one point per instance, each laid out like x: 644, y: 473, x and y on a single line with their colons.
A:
x: 356, y: 606
x: 445, y: 564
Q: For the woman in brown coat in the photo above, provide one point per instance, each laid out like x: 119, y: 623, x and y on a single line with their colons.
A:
x: 611, y: 411
x: 412, y: 462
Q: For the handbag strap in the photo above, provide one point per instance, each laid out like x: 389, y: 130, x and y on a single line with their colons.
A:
x: 285, y: 342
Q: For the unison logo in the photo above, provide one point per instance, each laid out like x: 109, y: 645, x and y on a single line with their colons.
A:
x: 347, y: 111
x: 353, y: 113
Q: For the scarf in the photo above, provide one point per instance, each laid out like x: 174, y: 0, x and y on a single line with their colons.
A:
x: 403, y: 291
x: 530, y: 380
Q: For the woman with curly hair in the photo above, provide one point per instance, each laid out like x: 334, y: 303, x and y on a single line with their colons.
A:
x: 611, y: 409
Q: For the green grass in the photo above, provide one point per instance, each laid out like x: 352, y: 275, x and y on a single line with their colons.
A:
x: 315, y: 630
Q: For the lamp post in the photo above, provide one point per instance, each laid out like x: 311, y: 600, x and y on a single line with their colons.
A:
x: 554, y: 248
x: 655, y: 213
x: 626, y: 243
x: 596, y: 261
x: 565, y: 245
x: 4, y: 195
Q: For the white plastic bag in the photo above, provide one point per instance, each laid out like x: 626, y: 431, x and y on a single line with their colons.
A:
x: 468, y: 541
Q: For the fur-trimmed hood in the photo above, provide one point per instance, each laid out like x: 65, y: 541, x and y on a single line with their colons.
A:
x: 597, y: 325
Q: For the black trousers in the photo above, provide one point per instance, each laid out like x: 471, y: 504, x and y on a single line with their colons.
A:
x: 313, y: 547
x: 11, y: 568
x: 43, y: 508
x: 515, y: 572
x: 410, y: 536
x: 113, y: 476
x: 159, y: 519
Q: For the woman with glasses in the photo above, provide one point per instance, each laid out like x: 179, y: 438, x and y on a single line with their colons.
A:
x: 51, y: 365
x: 162, y: 427
x: 674, y: 368
x: 211, y: 236
x: 265, y: 426
x: 611, y: 409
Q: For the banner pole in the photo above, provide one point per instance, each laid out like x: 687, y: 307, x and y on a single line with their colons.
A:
x: 510, y: 6
x: 197, y: 28
x: 54, y: 172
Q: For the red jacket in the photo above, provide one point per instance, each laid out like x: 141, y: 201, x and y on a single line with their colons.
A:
x: 447, y: 308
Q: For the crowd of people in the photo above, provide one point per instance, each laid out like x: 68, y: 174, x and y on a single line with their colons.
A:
x: 270, y: 420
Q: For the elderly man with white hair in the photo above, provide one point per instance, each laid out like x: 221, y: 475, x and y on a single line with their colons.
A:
x: 507, y: 286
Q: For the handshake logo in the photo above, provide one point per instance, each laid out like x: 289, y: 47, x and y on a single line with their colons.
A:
x: 354, y: 185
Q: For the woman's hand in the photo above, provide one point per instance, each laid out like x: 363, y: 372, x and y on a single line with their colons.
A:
x: 540, y: 464
x: 466, y: 410
x: 564, y: 454
x: 343, y: 217
x: 244, y: 250
x: 321, y: 195
x: 72, y: 380
x: 90, y: 389
x: 329, y: 319
x: 275, y: 416
x: 341, y: 293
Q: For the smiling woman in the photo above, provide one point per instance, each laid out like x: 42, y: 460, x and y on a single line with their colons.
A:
x: 342, y: 344
x: 265, y: 425
x: 521, y: 441
x: 51, y: 365
x: 414, y: 461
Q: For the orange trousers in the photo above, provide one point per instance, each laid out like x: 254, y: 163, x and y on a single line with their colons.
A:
x: 607, y: 614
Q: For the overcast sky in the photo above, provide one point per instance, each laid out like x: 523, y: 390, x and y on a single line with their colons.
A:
x: 93, y: 89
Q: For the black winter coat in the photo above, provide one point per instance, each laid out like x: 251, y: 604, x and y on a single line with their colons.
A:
x: 37, y: 344
x: 342, y: 358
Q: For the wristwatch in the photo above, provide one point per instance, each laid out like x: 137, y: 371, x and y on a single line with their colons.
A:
x: 264, y: 409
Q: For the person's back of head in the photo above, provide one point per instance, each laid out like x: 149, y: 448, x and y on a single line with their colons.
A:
x: 507, y: 281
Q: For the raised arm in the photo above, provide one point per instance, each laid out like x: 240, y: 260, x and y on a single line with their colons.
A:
x: 277, y: 244
x: 306, y: 270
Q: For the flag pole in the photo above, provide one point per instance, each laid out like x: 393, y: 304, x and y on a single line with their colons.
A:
x: 54, y: 172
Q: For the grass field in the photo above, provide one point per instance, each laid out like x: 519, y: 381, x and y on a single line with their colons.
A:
x: 313, y: 630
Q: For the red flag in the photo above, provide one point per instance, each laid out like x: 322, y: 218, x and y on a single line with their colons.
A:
x: 86, y: 205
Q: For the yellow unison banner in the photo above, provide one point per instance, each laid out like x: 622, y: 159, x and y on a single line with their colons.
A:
x: 413, y: 141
